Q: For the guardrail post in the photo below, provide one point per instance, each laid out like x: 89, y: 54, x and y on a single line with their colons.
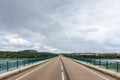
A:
x: 32, y: 61
x: 17, y: 63
x: 94, y: 62
x: 29, y: 61
x: 99, y: 63
x: 90, y: 61
x: 87, y: 60
x: 106, y: 64
x: 117, y: 66
x: 7, y: 66
x: 24, y: 62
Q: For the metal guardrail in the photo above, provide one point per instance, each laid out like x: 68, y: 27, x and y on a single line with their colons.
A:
x: 12, y: 64
x: 113, y: 65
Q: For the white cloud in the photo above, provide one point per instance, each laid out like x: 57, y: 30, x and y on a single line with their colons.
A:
x: 42, y: 47
x: 16, y: 41
x: 13, y: 42
x: 51, y: 49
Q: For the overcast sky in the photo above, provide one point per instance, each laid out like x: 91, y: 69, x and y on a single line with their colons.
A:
x: 60, y: 25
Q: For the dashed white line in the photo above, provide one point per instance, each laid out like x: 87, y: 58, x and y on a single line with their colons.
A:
x: 61, y: 66
x: 62, y: 76
x: 62, y: 73
x: 32, y: 71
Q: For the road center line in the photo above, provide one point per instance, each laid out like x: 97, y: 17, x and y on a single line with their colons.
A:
x: 62, y: 73
x: 61, y: 66
x: 32, y: 71
x: 62, y: 76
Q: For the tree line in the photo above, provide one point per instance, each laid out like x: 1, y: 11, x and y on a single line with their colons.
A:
x: 95, y: 55
x: 25, y: 54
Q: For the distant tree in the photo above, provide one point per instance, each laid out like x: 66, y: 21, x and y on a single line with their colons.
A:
x: 25, y: 54
x: 95, y: 55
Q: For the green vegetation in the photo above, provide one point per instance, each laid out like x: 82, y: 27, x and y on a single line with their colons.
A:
x: 25, y: 54
x: 95, y: 55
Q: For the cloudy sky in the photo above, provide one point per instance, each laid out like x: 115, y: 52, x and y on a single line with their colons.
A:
x: 60, y: 25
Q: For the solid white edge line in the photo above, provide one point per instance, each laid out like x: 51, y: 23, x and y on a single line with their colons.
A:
x: 94, y: 72
x: 32, y: 71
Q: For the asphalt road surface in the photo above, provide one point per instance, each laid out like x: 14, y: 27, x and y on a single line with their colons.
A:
x: 60, y: 68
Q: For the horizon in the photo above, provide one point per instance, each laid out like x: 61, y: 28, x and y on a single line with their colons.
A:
x: 67, y: 52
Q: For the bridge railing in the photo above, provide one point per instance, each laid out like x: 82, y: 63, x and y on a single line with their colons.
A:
x: 12, y: 64
x: 112, y: 65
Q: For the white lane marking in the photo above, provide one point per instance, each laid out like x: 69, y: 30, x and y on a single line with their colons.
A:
x: 32, y: 71
x: 62, y: 73
x: 95, y: 73
x: 61, y: 66
x: 62, y: 76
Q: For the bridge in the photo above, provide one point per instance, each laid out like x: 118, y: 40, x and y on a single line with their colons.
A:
x: 60, y: 68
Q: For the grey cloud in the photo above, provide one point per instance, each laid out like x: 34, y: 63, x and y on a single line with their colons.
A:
x: 66, y: 25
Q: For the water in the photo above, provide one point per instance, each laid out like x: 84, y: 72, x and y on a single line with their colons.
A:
x: 4, y: 61
x: 113, y: 60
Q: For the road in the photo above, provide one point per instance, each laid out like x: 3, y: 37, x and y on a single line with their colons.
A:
x: 60, y: 68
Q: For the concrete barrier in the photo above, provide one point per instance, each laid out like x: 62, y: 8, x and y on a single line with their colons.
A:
x: 19, y: 70
x: 105, y: 71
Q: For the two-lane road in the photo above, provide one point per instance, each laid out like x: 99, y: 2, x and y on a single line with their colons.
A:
x: 60, y: 68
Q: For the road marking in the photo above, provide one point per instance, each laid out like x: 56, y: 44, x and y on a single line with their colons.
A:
x: 94, y: 72
x: 61, y: 66
x: 62, y: 76
x: 62, y: 73
x: 32, y: 71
